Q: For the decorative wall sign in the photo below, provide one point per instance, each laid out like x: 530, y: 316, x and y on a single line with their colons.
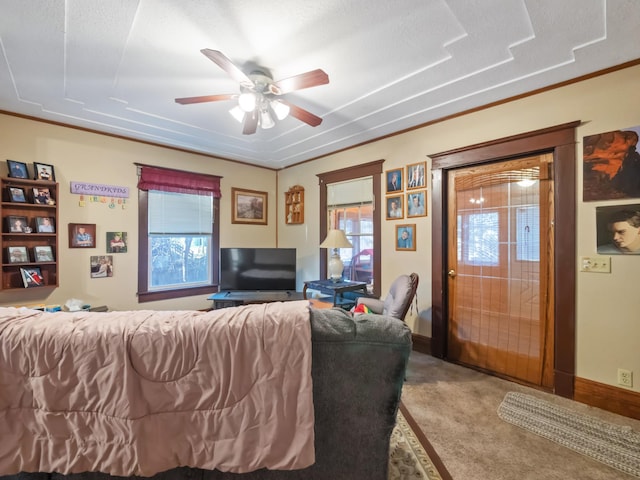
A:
x: 97, y: 189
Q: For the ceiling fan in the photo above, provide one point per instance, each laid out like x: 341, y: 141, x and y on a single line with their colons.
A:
x: 260, y: 96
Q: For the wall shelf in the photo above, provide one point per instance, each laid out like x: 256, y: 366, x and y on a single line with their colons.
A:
x: 11, y: 274
x: 294, y: 205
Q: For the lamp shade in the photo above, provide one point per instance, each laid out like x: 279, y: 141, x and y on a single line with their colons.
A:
x: 336, y: 239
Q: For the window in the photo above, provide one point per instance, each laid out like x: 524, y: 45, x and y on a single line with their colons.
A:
x: 359, y: 217
x: 350, y: 209
x: 179, y: 233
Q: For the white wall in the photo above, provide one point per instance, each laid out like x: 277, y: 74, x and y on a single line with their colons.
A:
x: 87, y: 157
x: 608, y: 306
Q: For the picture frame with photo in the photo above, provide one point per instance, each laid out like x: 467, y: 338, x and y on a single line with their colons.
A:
x: 395, y: 207
x: 116, y: 242
x: 32, y: 277
x: 101, y: 266
x: 82, y: 235
x: 416, y: 175
x: 248, y: 206
x: 417, y: 204
x: 43, y: 171
x: 45, y: 225
x: 394, y: 180
x: 17, y: 169
x: 406, y: 237
x: 17, y: 224
x: 42, y: 196
x: 618, y: 229
x: 17, y: 194
x: 17, y: 254
x: 43, y: 253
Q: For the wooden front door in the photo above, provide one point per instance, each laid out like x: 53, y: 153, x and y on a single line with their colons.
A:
x: 500, y: 268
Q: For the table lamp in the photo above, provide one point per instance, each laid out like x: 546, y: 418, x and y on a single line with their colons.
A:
x: 336, y: 239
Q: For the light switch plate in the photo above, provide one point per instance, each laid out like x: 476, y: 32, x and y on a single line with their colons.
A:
x: 596, y: 264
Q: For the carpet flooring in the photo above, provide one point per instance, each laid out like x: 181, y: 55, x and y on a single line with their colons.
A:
x: 456, y: 409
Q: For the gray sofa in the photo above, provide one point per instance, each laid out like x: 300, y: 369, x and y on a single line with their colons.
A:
x: 358, y: 370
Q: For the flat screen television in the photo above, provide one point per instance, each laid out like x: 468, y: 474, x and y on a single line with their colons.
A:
x: 257, y: 269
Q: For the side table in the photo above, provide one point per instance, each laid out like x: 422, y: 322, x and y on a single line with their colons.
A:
x: 335, y: 289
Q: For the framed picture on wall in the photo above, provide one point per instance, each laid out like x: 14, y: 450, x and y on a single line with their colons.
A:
x: 248, y: 206
x: 395, y: 208
x: 394, y: 180
x: 406, y: 237
x: 82, y: 235
x: 416, y: 175
x: 417, y: 204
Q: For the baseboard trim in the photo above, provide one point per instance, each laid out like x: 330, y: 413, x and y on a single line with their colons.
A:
x: 607, y: 397
x: 421, y: 343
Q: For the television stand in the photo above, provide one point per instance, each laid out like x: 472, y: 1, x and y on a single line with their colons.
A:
x: 227, y: 299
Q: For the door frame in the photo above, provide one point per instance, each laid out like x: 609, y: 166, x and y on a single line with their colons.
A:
x: 559, y: 141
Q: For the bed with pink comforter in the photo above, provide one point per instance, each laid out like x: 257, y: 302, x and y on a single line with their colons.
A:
x: 141, y: 392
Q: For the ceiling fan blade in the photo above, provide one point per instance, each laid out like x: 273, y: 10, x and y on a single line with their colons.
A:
x: 303, y: 115
x: 228, y: 66
x: 250, y: 123
x: 206, y: 98
x: 298, y: 82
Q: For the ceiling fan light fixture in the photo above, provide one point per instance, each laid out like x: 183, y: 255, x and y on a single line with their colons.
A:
x: 265, y: 119
x: 247, y: 101
x: 280, y: 109
x: 237, y: 113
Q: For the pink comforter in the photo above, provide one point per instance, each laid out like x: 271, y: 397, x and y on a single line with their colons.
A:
x: 141, y: 392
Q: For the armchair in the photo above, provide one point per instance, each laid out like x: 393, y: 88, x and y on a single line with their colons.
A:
x: 398, y: 300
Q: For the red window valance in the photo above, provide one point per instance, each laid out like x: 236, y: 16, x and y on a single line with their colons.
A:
x: 178, y: 181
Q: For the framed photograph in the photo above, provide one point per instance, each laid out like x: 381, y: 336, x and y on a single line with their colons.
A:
x: 102, y: 266
x: 416, y: 175
x: 116, y: 242
x: 395, y: 208
x: 16, y: 194
x: 17, y: 224
x: 394, y: 180
x: 618, y: 229
x: 17, y: 254
x: 32, y: 277
x: 42, y: 171
x: 45, y: 225
x: 43, y: 253
x: 406, y: 237
x: 17, y: 169
x: 248, y: 206
x: 82, y: 235
x: 417, y: 204
x: 42, y: 196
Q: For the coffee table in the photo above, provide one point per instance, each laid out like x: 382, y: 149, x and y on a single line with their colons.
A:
x: 335, y: 289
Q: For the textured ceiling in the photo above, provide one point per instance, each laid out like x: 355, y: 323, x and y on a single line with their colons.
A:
x: 116, y: 66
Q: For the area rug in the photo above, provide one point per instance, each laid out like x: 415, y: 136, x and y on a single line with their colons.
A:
x: 411, y: 456
x: 613, y: 445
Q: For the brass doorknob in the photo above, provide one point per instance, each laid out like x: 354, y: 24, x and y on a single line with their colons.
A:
x: 452, y: 273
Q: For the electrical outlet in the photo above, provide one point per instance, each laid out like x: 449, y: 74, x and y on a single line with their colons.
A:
x: 625, y: 377
x: 597, y: 264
